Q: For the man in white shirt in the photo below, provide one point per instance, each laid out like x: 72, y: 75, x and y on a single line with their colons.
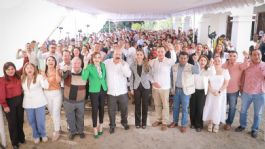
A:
x: 65, y: 65
x: 117, y: 73
x: 130, y: 57
x: 43, y: 55
x: 160, y: 78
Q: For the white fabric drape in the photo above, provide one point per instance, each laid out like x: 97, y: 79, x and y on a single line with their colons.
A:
x: 152, y: 10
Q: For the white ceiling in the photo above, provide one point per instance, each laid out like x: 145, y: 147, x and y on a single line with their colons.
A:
x: 144, y: 9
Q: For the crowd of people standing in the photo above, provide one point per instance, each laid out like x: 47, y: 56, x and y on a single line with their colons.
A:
x: 107, y: 67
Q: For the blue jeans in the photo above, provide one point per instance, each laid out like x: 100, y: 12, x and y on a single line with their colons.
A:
x: 36, y: 118
x: 232, y: 101
x: 258, y: 101
x: 181, y: 98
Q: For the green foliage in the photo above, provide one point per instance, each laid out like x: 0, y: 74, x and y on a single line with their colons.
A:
x: 119, y: 25
x: 136, y: 26
x: 108, y: 26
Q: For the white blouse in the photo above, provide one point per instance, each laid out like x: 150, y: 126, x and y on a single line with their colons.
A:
x: 201, y: 80
x: 34, y: 96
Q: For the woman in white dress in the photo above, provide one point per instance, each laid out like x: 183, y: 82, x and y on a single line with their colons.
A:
x: 215, y: 106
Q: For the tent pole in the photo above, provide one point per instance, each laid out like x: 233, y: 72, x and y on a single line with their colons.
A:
x: 109, y: 26
x: 60, y: 22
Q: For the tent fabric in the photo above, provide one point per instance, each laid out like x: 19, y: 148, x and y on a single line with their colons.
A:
x: 152, y: 9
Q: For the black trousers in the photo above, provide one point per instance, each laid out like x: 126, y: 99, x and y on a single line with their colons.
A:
x: 121, y: 102
x: 197, y: 102
x: 141, y: 96
x: 98, y: 102
x: 15, y: 119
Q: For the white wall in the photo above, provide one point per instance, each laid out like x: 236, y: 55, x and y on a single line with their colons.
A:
x: 217, y: 23
x: 21, y: 22
x: 25, y: 20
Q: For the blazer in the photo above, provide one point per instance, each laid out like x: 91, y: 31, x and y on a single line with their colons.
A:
x: 34, y: 96
x: 135, y: 79
x: 90, y: 73
x: 188, y: 83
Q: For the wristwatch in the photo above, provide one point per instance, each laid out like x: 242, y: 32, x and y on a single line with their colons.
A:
x: 219, y: 92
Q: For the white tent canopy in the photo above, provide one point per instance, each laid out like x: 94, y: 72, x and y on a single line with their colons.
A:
x: 151, y: 9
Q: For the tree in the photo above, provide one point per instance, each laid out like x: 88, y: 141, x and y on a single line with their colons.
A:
x: 136, y: 26
x: 108, y: 26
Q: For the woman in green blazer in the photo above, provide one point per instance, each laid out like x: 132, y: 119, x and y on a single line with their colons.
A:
x: 95, y: 73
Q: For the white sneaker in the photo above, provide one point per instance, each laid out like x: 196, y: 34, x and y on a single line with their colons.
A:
x: 37, y: 141
x: 55, y: 136
x: 44, y: 139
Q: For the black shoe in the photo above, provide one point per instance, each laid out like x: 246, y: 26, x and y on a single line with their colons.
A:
x: 71, y: 136
x: 239, y: 129
x: 15, y: 146
x: 126, y: 126
x: 1, y: 146
x: 198, y: 129
x: 254, y: 134
x: 192, y: 126
x: 144, y: 126
x: 111, y: 130
x: 22, y: 141
x: 82, y: 135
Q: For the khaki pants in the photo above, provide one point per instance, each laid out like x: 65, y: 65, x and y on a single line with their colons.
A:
x: 161, y: 100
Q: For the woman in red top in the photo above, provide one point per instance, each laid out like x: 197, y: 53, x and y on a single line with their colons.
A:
x: 11, y: 99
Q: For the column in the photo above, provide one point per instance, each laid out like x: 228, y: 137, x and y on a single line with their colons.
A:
x: 241, y: 29
x: 187, y: 23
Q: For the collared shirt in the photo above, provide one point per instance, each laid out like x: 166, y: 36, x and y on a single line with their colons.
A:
x: 130, y: 57
x: 195, y: 70
x: 62, y: 65
x: 117, y: 75
x: 254, y: 79
x: 9, y: 89
x: 160, y: 72
x: 235, y: 72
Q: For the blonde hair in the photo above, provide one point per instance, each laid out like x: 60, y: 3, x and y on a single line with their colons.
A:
x: 146, y: 65
x: 24, y: 74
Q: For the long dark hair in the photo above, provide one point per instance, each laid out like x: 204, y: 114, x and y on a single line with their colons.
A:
x: 208, y: 61
x: 46, y: 66
x: 6, y: 66
x: 222, y: 52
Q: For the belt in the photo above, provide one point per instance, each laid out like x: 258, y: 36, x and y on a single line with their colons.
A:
x: 179, y: 88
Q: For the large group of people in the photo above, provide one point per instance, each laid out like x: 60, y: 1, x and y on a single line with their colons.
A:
x: 108, y: 67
